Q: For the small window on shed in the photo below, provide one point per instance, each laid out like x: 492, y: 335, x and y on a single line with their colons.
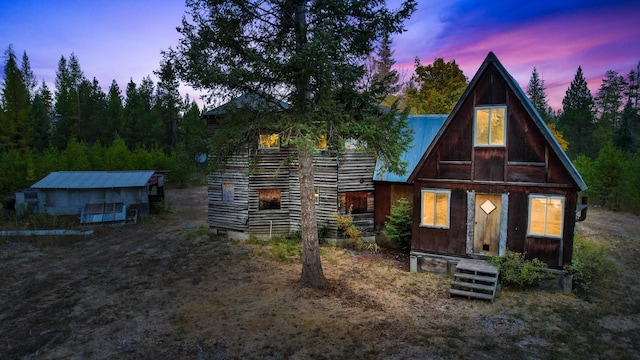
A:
x: 316, y: 195
x: 490, y: 126
x: 269, y: 141
x: 321, y: 142
x: 545, y: 215
x: 269, y: 199
x: 228, y: 192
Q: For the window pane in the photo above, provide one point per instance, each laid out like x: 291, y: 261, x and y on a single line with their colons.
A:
x: 554, y: 217
x: 482, y: 126
x: 537, y: 214
x: 227, y: 191
x: 356, y: 202
x: 269, y: 199
x: 268, y: 141
x: 428, y: 205
x: 497, y: 126
x: 321, y: 143
x: 442, y: 209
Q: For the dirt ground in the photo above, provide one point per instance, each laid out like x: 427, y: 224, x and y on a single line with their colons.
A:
x: 167, y: 289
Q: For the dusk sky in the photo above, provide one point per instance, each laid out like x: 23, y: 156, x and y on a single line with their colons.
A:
x: 122, y: 39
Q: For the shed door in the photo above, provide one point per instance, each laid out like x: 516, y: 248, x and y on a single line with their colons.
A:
x: 486, y: 231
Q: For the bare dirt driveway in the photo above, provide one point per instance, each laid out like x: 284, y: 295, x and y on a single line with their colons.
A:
x: 167, y: 289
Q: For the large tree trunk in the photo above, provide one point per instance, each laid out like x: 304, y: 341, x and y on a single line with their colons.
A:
x: 312, y: 274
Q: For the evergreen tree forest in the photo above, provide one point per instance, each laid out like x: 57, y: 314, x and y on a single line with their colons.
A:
x: 79, y: 126
x: 600, y: 134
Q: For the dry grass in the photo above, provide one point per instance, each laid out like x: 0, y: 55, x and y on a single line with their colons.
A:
x: 166, y: 288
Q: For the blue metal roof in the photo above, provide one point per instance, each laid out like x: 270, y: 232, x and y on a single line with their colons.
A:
x: 425, y: 128
x: 94, y: 179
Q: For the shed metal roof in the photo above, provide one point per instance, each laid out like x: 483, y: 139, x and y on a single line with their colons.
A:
x: 425, y: 128
x: 94, y: 179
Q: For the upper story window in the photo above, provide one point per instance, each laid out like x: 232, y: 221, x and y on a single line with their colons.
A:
x: 490, y: 125
x: 321, y: 142
x: 269, y: 141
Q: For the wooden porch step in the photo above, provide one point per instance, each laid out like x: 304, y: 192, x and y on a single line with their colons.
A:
x: 471, y: 294
x: 475, y: 279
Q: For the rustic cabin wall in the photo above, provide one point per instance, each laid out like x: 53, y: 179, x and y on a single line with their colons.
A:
x: 326, y: 184
x: 228, y: 196
x: 269, y: 176
x: 355, y: 169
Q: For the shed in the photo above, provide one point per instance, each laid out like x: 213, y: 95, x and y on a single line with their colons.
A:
x: 75, y: 192
x: 494, y: 179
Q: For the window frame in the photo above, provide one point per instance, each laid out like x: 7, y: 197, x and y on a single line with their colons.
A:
x: 435, y: 208
x: 228, y: 191
x: 261, y: 142
x: 547, y: 197
x: 489, y: 143
x: 262, y: 200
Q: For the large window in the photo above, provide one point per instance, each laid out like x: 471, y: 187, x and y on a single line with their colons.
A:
x: 435, y: 206
x: 269, y: 199
x: 490, y: 125
x: 269, y: 141
x: 545, y: 215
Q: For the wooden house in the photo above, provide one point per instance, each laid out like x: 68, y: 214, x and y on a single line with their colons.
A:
x: 257, y: 193
x: 494, y: 179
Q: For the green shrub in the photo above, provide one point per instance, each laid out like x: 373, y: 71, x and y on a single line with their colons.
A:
x: 590, y: 266
x: 517, y: 272
x: 397, y: 229
x: 348, y: 229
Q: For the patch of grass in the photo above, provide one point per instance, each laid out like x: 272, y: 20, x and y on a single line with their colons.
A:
x: 280, y: 248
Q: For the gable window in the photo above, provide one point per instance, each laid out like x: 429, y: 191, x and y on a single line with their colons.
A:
x: 434, y: 208
x: 545, y: 215
x: 269, y: 141
x: 490, y: 125
x: 228, y: 192
x: 269, y: 199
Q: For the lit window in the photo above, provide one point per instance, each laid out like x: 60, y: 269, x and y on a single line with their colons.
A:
x: 490, y: 126
x: 269, y: 141
x: 545, y: 215
x: 356, y: 202
x: 316, y: 194
x: 435, y: 208
x: 228, y: 192
x: 321, y: 142
x: 269, y: 199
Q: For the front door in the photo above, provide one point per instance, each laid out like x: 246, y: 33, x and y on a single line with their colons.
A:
x: 486, y: 231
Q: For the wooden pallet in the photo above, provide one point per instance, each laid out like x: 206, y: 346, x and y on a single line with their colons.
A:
x: 475, y: 279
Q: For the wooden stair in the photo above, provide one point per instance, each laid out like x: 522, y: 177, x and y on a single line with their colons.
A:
x: 475, y: 279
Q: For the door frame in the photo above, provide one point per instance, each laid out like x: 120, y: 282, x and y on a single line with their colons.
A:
x: 471, y: 213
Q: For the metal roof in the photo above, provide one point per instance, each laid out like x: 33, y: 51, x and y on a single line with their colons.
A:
x: 425, y: 128
x: 251, y: 101
x: 94, y: 179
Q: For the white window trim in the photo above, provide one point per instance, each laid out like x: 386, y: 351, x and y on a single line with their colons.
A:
x: 475, y: 126
x: 545, y: 235
x: 435, y: 191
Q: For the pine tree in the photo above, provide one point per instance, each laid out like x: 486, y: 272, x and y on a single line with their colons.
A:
x: 538, y: 96
x: 309, y: 54
x: 42, y: 115
x: 382, y: 72
x: 168, y: 101
x: 577, y: 120
x: 608, y: 106
x: 68, y: 79
x: 438, y: 87
x: 16, y: 126
x: 27, y: 74
x: 114, y: 113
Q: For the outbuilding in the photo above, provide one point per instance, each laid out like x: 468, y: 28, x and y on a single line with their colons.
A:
x: 98, y: 196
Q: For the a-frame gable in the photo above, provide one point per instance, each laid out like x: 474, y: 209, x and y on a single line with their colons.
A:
x: 463, y: 115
